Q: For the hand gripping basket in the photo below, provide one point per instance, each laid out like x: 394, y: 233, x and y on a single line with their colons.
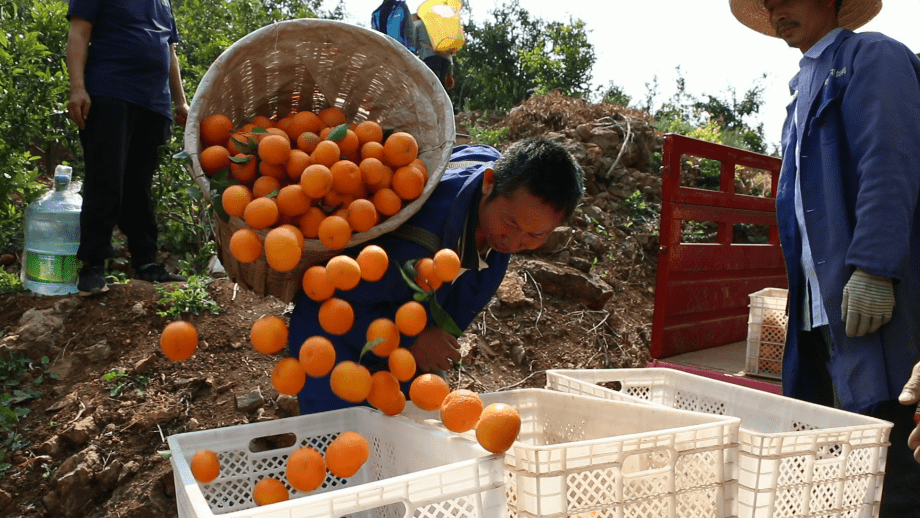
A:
x: 310, y: 64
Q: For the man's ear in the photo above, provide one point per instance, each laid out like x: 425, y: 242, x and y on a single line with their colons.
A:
x: 488, y: 182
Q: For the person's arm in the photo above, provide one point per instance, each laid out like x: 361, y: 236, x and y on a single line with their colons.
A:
x: 180, y: 103
x: 911, y: 396
x: 77, y: 50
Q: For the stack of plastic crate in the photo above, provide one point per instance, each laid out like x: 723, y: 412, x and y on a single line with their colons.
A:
x: 766, y: 339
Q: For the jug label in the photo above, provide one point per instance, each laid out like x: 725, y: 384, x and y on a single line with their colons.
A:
x: 51, y: 268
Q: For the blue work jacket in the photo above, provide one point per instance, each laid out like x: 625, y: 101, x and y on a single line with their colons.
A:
x: 860, y: 182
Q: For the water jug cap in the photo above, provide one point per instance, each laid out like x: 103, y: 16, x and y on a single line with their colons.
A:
x: 62, y: 176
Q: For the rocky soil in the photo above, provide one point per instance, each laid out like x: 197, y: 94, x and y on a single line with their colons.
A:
x: 91, y: 444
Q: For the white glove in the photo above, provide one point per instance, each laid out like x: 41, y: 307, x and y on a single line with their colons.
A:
x: 909, y: 396
x: 868, y: 301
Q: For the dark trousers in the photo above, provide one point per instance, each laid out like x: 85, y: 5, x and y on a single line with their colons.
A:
x: 901, y: 491
x: 120, y: 143
x: 439, y: 65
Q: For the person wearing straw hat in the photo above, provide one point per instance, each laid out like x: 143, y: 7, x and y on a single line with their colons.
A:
x: 849, y: 221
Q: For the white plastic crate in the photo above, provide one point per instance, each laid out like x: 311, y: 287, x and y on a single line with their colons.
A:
x: 413, y: 470
x: 582, y: 456
x: 796, y: 459
x: 766, y: 338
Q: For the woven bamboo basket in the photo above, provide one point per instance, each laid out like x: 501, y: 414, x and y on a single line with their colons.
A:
x: 310, y: 64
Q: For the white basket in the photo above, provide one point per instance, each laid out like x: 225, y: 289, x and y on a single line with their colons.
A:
x: 766, y: 339
x: 582, y: 456
x: 413, y: 471
x: 796, y: 459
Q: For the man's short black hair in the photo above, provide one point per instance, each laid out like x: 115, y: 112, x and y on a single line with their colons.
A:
x: 545, y: 169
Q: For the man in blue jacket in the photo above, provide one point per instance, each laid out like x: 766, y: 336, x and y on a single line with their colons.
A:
x: 848, y: 217
x: 489, y: 207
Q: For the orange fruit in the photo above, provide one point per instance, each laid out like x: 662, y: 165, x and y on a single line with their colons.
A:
x: 234, y: 199
x: 340, y: 201
x: 384, y: 387
x: 240, y: 141
x: 446, y: 264
x: 402, y: 364
x: 349, y: 144
x: 343, y: 272
x: 316, y: 180
x: 282, y: 249
x: 411, y: 318
x: 326, y: 153
x: 369, y: 131
x: 205, y: 466
x: 305, y: 121
x: 179, y: 340
x: 385, y: 329
x: 372, y: 150
x: 346, y: 454
x: 426, y: 278
x: 216, y: 129
x: 498, y: 427
x: 261, y: 121
x: 268, y: 334
x: 394, y: 406
x: 336, y: 316
x: 269, y: 491
x: 428, y: 391
x: 288, y: 377
x: 307, y: 141
x: 285, y: 122
x: 350, y: 381
x: 346, y: 177
x: 306, y: 469
x: 275, y: 149
x: 265, y: 185
x: 295, y: 230
x: 332, y: 116
x: 243, y: 172
x: 309, y: 222
x: 419, y: 164
x: 372, y: 170
x: 317, y: 356
x: 408, y: 182
x: 400, y: 149
x: 362, y: 215
x: 373, y: 262
x: 387, y: 202
x: 245, y: 245
x: 460, y: 410
x: 276, y: 171
x: 297, y: 162
x: 316, y: 285
x: 261, y: 213
x: 292, y: 201
x: 334, y: 232
x: 213, y: 159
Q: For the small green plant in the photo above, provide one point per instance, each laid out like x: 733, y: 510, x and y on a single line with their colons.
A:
x: 122, y: 381
x: 12, y: 392
x: 10, y: 283
x: 192, y: 298
x: 489, y: 137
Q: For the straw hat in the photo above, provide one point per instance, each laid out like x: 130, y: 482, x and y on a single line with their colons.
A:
x: 853, y: 14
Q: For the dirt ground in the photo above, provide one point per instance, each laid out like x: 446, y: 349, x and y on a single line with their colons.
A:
x: 91, y: 445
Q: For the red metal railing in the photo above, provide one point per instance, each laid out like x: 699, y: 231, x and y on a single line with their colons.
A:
x: 701, y: 290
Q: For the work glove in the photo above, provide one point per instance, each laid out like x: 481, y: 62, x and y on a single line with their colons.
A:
x: 909, y: 396
x: 449, y: 82
x: 868, y: 301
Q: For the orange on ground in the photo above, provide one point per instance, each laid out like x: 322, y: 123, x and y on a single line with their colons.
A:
x: 261, y: 213
x: 336, y: 316
x: 460, y: 410
x: 372, y: 150
x: 265, y: 185
x: 428, y: 391
x: 498, y: 427
x: 269, y: 491
x: 402, y: 364
x: 216, y: 129
x: 268, y: 334
x: 306, y: 469
x: 386, y: 329
x: 234, y: 199
x: 297, y: 162
x: 309, y: 222
x: 205, y: 466
x: 276, y: 171
x: 213, y: 159
x: 245, y: 245
x: 350, y: 381
x: 400, y: 149
x: 282, y: 249
x: 179, y: 340
x: 243, y: 172
x: 305, y: 121
x: 372, y: 170
x: 292, y: 201
x: 426, y: 278
x: 288, y: 377
x: 307, y: 141
x: 326, y: 153
x: 411, y: 318
x: 395, y: 405
x: 369, y: 131
x: 316, y: 180
x: 346, y: 454
x: 384, y: 387
x: 317, y: 356
x: 362, y: 215
x: 346, y: 177
x: 332, y: 116
x: 343, y: 272
x: 373, y: 262
x: 387, y: 202
x: 446, y: 264
x: 316, y: 285
x: 334, y: 232
x: 275, y: 149
x: 408, y: 182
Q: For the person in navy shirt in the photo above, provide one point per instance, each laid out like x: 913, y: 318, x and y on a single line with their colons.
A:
x: 124, y: 82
